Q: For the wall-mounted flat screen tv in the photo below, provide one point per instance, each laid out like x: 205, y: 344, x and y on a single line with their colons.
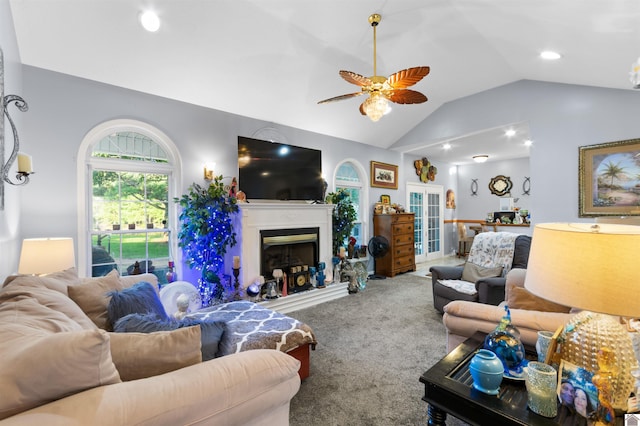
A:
x: 277, y: 171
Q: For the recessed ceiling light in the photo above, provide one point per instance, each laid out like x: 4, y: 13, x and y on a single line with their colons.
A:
x: 510, y: 133
x: 480, y: 158
x: 528, y: 142
x: 446, y: 146
x: 550, y: 55
x: 150, y: 21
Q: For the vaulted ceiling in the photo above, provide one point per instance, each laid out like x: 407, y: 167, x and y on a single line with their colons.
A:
x: 275, y: 59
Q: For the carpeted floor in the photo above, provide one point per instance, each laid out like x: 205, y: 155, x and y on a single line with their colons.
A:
x: 372, y: 348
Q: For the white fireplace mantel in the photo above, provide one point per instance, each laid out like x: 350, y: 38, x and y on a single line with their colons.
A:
x: 256, y: 216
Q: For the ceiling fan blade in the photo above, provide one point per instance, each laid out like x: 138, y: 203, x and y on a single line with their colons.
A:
x: 404, y: 96
x: 409, y: 77
x: 342, y: 97
x: 357, y: 79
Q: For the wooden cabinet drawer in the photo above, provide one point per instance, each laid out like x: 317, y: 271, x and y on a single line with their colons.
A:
x: 402, y: 218
x: 403, y: 261
x: 403, y: 239
x: 403, y: 250
x: 403, y: 228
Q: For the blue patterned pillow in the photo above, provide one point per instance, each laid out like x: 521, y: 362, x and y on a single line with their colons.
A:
x: 141, y: 298
x: 211, y: 331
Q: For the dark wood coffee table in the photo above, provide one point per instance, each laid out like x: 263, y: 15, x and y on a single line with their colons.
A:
x: 448, y: 390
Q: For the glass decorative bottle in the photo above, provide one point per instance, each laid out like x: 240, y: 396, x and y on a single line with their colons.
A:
x: 171, y: 275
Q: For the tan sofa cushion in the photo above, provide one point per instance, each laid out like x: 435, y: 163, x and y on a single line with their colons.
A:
x: 140, y: 355
x: 58, y: 281
x: 46, y: 356
x: 521, y: 298
x: 91, y: 295
x: 50, y: 298
x: 130, y: 280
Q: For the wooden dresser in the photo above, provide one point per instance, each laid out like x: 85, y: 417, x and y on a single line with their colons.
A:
x: 398, y: 229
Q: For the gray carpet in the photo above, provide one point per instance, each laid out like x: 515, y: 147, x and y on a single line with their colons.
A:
x: 372, y: 348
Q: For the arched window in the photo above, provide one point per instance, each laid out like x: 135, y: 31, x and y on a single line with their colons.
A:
x: 351, y: 176
x: 129, y: 177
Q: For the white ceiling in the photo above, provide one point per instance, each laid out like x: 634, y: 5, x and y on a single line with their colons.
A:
x: 275, y: 59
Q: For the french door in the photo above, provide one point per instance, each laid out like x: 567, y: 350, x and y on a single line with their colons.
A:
x: 426, y: 201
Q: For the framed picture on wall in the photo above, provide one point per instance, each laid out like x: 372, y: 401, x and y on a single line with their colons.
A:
x: 384, y: 175
x: 609, y: 179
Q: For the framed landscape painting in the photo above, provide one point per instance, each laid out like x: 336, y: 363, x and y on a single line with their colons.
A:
x: 609, y: 179
x: 384, y: 175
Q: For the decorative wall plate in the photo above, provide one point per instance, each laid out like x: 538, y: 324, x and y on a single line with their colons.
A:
x: 500, y: 185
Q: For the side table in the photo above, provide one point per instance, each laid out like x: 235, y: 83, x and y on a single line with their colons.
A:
x: 448, y: 390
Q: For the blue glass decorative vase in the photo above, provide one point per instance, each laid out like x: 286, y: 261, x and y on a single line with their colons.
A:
x: 505, y: 343
x: 509, y: 350
x: 486, y: 370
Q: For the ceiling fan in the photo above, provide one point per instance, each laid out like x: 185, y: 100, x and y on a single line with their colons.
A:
x: 381, y: 89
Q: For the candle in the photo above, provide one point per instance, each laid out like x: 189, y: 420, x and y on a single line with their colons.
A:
x: 236, y: 262
x: 24, y: 163
x: 342, y: 249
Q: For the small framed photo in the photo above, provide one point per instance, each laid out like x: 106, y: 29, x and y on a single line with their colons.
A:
x: 385, y: 199
x: 577, y: 395
x: 384, y: 175
x: 379, y: 208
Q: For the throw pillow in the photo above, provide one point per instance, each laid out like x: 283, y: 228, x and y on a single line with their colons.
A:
x: 140, y: 298
x: 521, y: 298
x: 131, y: 280
x: 91, y: 295
x: 211, y: 331
x: 140, y: 355
x: 472, y: 272
x: 58, y: 281
x: 50, y: 298
x: 46, y: 356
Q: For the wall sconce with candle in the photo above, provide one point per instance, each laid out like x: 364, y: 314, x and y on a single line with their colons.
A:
x: 208, y: 171
x: 24, y: 161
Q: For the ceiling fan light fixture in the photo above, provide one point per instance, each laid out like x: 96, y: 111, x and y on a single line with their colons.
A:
x: 480, y: 158
x: 376, y: 106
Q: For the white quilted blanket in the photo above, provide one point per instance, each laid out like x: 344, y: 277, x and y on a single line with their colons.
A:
x: 491, y: 249
x: 460, y: 286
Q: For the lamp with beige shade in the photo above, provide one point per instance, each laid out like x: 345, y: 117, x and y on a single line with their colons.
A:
x: 593, y: 267
x: 41, y: 256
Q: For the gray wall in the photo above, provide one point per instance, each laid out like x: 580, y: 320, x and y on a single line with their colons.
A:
x: 561, y: 118
x: 65, y: 108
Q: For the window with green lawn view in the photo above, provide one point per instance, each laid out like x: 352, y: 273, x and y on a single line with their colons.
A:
x: 130, y: 232
x: 348, y: 178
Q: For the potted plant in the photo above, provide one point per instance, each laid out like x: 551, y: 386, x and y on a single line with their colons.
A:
x: 344, y: 215
x: 206, y: 232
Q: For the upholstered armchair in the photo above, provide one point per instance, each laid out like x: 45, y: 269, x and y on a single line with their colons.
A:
x: 484, y: 283
x: 529, y: 314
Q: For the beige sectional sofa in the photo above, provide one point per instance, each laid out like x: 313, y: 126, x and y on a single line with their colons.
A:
x: 59, y: 368
x: 529, y: 314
